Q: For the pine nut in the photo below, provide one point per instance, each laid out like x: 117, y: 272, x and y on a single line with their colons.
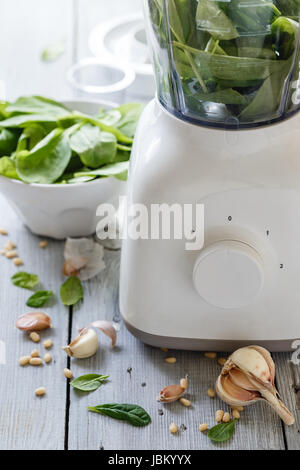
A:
x: 173, y: 428
x: 3, y: 252
x: 24, y: 360
x: 170, y: 360
x: 68, y: 373
x: 226, y: 417
x: 222, y: 361
x: 164, y: 349
x: 185, y: 402
x: 35, y: 337
x: 10, y: 254
x: 18, y: 262
x: 35, y: 353
x: 40, y: 391
x: 184, y: 383
x: 239, y: 408
x: 219, y: 415
x: 210, y: 355
x: 3, y: 231
x: 47, y: 358
x: 236, y: 414
x: 43, y: 244
x: 9, y: 246
x: 203, y: 427
x: 211, y: 393
x: 47, y: 343
x: 36, y: 361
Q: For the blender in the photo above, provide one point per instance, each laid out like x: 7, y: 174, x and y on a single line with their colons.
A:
x: 223, y: 131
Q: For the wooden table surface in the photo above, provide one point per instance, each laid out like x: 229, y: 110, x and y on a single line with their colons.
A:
x: 60, y: 420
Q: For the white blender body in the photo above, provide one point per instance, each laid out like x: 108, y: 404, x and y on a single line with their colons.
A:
x: 241, y: 161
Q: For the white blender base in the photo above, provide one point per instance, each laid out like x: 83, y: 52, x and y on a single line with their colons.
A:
x: 243, y: 286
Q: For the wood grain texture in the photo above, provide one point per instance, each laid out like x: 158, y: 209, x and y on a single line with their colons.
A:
x: 26, y: 421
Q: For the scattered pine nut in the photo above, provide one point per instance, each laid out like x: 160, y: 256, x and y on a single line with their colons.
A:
x: 9, y: 246
x: 68, y: 374
x: 18, y: 262
x: 47, y: 358
x: 184, y: 383
x: 219, y: 415
x: 239, y: 408
x: 222, y: 361
x: 35, y: 337
x: 24, y: 360
x: 10, y: 254
x: 226, y: 417
x: 203, y: 427
x: 236, y: 414
x: 36, y: 361
x: 43, y: 244
x: 35, y: 353
x: 3, y: 252
x: 40, y: 391
x: 164, y: 349
x: 211, y: 393
x: 210, y: 355
x: 173, y: 428
x: 170, y: 360
x: 3, y: 231
x: 47, y: 343
x: 185, y: 402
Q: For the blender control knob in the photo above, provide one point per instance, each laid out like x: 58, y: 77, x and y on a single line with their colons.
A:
x: 229, y: 274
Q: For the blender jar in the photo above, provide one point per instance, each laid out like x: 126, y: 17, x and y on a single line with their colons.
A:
x: 229, y: 63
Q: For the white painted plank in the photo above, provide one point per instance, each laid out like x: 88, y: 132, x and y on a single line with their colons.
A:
x: 28, y: 422
x: 26, y: 28
x: 258, y: 428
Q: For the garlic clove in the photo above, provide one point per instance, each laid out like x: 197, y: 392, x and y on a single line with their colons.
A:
x: 107, y: 327
x: 171, y: 393
x: 236, y: 392
x: 241, y: 380
x: 35, y: 321
x: 72, y: 266
x: 268, y: 358
x: 83, y: 346
x: 252, y: 362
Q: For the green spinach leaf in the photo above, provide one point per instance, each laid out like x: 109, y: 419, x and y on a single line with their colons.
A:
x: 38, y: 299
x: 133, y: 414
x: 71, y: 292
x: 25, y: 280
x: 8, y: 168
x: 8, y: 141
x: 88, y: 382
x: 222, y: 432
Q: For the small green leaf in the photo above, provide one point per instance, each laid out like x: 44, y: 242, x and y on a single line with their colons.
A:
x: 222, y: 432
x: 89, y: 382
x: 133, y: 414
x: 71, y: 291
x: 25, y: 280
x: 53, y: 52
x: 39, y: 299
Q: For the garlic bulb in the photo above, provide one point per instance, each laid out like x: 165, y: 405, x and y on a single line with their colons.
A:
x: 84, y: 346
x: 247, y: 377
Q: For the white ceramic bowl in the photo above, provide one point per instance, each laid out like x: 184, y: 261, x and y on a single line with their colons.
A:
x: 64, y: 210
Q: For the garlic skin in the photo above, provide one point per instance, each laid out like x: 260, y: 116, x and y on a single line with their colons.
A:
x: 247, y: 377
x: 35, y: 321
x: 83, y: 346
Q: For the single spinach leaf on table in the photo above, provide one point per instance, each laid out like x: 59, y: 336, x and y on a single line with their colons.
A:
x: 25, y: 280
x: 133, y: 414
x: 94, y: 147
x: 71, y: 292
x: 8, y: 168
x: 8, y: 141
x: 88, y: 382
x: 47, y: 161
x: 222, y: 432
x: 38, y: 299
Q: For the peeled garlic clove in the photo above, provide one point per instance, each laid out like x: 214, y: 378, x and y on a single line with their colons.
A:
x: 252, y: 362
x: 84, y: 346
x: 171, y: 393
x: 35, y: 321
